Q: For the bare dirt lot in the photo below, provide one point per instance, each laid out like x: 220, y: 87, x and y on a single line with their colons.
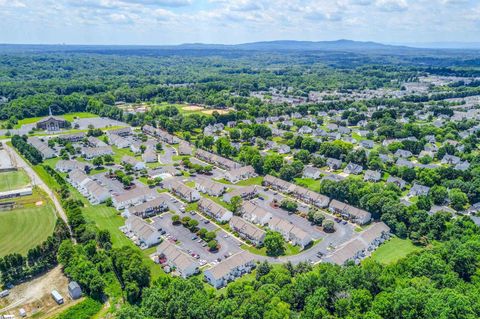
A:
x: 34, y: 296
x: 210, y: 111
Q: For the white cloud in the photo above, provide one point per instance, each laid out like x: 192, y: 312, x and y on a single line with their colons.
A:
x: 392, y: 5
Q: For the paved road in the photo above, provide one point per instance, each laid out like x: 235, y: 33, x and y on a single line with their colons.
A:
x: 36, y: 181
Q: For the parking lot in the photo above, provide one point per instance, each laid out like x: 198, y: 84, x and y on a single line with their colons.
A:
x: 188, y: 241
x: 343, y: 231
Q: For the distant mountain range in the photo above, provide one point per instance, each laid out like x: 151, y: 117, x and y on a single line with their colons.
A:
x: 267, y: 46
x: 292, y: 45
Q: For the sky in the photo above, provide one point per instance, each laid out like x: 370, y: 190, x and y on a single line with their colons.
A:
x: 160, y: 22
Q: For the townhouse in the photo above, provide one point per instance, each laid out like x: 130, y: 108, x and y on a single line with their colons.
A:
x: 95, y: 142
x: 149, y: 208
x: 247, y: 230
x: 239, y: 174
x: 355, y: 214
x: 66, y: 166
x: 217, y: 160
x: 72, y: 138
x: 169, y: 254
x: 207, y: 186
x: 42, y: 147
x: 136, y: 164
x: 245, y: 193
x: 214, y: 210
x: 143, y: 232
x: 254, y: 213
x: 290, y: 232
x: 230, y: 269
x: 133, y: 197
x: 183, y: 191
x: 92, y: 152
x: 150, y: 155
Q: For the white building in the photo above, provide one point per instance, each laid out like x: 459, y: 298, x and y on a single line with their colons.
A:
x: 232, y: 268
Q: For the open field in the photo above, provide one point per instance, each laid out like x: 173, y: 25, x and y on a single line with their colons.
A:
x: 394, y: 250
x: 13, y: 180
x: 26, y: 227
x: 82, y: 115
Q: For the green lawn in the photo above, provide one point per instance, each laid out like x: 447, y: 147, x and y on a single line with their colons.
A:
x: 289, y: 250
x: 82, y: 115
x: 24, y: 228
x: 251, y: 181
x: 393, y: 250
x: 309, y: 183
x: 13, y: 180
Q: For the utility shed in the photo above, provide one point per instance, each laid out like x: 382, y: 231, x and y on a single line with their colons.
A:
x: 74, y: 290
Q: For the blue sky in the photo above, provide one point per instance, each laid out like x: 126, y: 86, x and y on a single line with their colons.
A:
x: 237, y: 21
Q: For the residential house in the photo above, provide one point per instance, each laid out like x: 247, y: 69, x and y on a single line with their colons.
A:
x: 66, y: 166
x: 239, y: 174
x: 183, y: 191
x: 92, y: 152
x: 184, y: 148
x: 351, y: 251
x: 175, y: 258
x: 334, y: 163
x: 462, y: 166
x: 92, y: 141
x: 216, y: 160
x: 401, y: 162
x: 144, y: 233
x: 418, y: 190
x: 207, y: 186
x: 133, y: 197
x: 42, y: 147
x: 136, y: 164
x: 247, y: 230
x: 403, y: 153
x: 290, y: 232
x: 372, y: 176
x: 397, y: 181
x: 305, y: 130
x: 95, y: 192
x: 255, y: 214
x: 353, y: 168
x: 119, y: 141
x: 230, y: 269
x: 150, y: 155
x: 149, y: 208
x: 245, y: 193
x: 72, y: 138
x: 214, y: 210
x: 124, y: 131
x: 357, y: 215
x: 283, y: 149
x: 311, y: 172
x: 451, y: 159
x: 367, y: 144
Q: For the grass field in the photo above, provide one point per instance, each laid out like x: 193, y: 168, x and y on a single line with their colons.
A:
x: 251, y: 181
x: 309, y: 183
x: 394, y: 250
x: 13, y: 180
x: 23, y: 228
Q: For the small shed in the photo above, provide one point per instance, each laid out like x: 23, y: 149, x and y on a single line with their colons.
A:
x: 74, y: 290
